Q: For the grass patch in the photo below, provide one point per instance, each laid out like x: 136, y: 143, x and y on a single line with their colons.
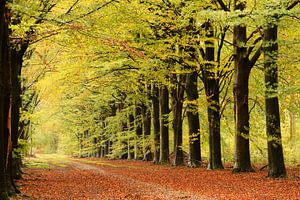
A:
x: 101, y: 163
x: 36, y: 163
x: 46, y: 161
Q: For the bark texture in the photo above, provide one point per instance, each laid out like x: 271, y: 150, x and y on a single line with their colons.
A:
x: 156, y: 123
x: 275, y: 152
x: 147, y: 131
x: 193, y: 120
x: 212, y: 91
x: 164, y: 124
x: 3, y: 184
x: 241, y: 91
x: 138, y: 131
x: 177, y: 93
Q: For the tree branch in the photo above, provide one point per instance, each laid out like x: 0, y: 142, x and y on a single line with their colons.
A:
x: 255, y: 57
x: 293, y: 5
x: 223, y: 6
x: 250, y: 49
x: 71, y: 8
x: 92, y: 11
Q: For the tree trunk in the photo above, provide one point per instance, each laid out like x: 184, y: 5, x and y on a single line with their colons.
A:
x: 212, y: 91
x: 131, y: 129
x: 293, y: 130
x: 164, y: 124
x: 156, y: 124
x: 17, y: 54
x: 177, y: 104
x: 139, y: 132
x: 240, y: 90
x: 275, y: 153
x: 193, y: 120
x: 124, y: 141
x: 147, y: 132
x: 147, y: 125
x: 3, y: 185
x: 6, y: 77
x: 106, y: 148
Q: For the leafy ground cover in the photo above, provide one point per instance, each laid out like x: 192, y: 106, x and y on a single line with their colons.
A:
x: 66, y: 178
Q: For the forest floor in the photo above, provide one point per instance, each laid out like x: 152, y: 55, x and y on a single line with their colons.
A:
x: 62, y: 178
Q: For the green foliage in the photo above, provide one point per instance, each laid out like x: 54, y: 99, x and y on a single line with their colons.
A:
x: 23, y: 148
x: 91, y: 73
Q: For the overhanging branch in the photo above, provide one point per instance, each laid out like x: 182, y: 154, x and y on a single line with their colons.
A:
x: 223, y: 6
x: 293, y: 4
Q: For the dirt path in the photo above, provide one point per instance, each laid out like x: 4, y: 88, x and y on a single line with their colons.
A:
x: 82, y: 179
x: 140, y: 189
x: 78, y: 180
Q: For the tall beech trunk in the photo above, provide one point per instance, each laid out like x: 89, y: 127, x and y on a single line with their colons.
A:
x: 156, y: 123
x: 212, y: 91
x: 138, y: 132
x: 122, y: 142
x: 100, y: 142
x: 275, y: 153
x: 147, y: 131
x: 107, y: 147
x: 130, y: 139
x: 193, y: 120
x: 6, y: 77
x: 113, y: 112
x: 164, y: 124
x: 177, y: 104
x: 293, y: 129
x: 146, y: 112
x: 3, y: 182
x: 17, y: 54
x: 240, y: 90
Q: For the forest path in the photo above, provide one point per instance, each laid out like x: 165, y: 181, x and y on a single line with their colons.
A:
x: 52, y: 177
x: 137, y: 189
x: 71, y: 178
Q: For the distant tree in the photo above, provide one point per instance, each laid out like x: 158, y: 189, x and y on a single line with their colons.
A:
x: 156, y: 122
x: 146, y: 113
